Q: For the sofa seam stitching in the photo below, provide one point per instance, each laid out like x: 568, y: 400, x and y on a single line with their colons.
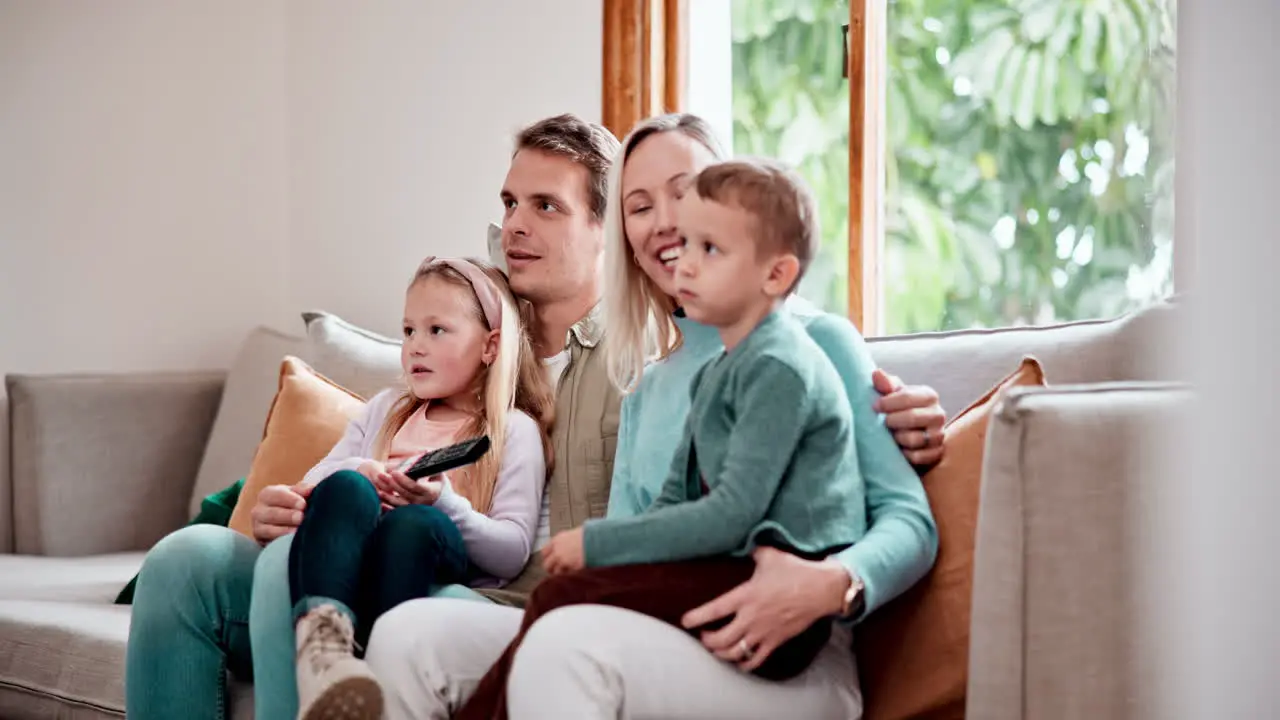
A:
x: 43, y: 692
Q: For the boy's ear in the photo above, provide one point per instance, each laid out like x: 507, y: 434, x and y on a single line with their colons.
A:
x: 782, y: 275
x: 490, y: 353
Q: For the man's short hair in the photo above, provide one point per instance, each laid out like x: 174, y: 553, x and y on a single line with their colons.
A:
x: 586, y: 143
x: 786, y: 215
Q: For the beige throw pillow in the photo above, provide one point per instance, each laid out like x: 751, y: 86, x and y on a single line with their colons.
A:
x: 307, y: 418
x: 913, y: 653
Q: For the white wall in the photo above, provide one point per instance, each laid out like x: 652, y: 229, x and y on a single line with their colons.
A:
x: 710, y: 66
x: 143, y: 184
x: 401, y: 123
x: 1213, y: 586
x: 175, y: 172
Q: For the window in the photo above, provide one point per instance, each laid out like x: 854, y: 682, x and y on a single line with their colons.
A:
x: 1014, y: 158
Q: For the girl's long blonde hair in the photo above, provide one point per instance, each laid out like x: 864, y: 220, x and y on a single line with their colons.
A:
x: 637, y: 312
x: 515, y: 381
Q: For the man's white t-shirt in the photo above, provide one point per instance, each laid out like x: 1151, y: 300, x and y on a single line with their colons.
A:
x: 555, y: 366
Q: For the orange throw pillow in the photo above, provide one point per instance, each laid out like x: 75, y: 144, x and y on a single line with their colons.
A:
x: 307, y: 418
x: 913, y: 653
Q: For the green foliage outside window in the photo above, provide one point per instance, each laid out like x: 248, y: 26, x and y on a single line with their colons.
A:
x: 1030, y: 151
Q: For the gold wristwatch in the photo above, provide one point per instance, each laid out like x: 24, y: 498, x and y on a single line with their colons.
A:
x: 854, y: 599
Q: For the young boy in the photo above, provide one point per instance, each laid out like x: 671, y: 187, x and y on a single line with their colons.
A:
x: 768, y: 457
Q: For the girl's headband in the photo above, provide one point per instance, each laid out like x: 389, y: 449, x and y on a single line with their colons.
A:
x: 485, y: 290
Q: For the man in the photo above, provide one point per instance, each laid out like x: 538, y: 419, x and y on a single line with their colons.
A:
x: 210, y: 600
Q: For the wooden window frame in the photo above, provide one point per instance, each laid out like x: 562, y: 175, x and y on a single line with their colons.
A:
x: 645, y: 61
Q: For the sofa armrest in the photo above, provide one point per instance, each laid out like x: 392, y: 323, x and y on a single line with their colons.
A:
x: 1054, y: 627
x: 105, y: 463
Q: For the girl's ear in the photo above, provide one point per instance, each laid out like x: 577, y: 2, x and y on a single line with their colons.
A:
x: 490, y: 353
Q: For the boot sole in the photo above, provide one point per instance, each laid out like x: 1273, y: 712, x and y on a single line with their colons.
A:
x: 355, y: 698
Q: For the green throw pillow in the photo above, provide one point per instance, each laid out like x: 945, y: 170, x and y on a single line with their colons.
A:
x: 215, y: 509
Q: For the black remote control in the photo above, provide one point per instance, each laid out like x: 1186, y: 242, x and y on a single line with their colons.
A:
x: 448, y: 458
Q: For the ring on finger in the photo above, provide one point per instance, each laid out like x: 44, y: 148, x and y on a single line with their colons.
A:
x: 744, y: 649
x: 926, y: 437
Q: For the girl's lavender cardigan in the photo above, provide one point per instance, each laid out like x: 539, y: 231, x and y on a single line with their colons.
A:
x: 500, y: 542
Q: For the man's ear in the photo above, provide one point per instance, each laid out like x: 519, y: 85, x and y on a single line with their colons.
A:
x: 783, y: 271
x: 490, y: 353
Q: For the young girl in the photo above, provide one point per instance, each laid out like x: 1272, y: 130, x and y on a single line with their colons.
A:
x: 372, y: 537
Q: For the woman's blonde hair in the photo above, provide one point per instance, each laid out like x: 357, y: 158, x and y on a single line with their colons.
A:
x: 637, y: 312
x: 515, y: 381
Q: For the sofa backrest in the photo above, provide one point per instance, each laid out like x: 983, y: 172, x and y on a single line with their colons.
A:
x: 960, y: 365
x: 357, y: 359
x: 964, y: 364
x: 251, y: 384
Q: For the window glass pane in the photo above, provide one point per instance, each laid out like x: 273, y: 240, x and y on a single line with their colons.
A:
x: 1030, y: 160
x: 789, y: 100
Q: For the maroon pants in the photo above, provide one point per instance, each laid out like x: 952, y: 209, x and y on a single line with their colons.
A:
x: 665, y: 591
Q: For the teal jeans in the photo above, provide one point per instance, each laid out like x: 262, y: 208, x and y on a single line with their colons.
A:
x: 209, y: 601
x: 201, y: 609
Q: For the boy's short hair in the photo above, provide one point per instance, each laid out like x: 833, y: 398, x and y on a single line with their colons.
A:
x: 785, y: 212
x: 586, y: 143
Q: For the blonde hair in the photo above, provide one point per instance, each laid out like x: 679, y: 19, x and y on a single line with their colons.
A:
x: 515, y: 381
x: 637, y: 311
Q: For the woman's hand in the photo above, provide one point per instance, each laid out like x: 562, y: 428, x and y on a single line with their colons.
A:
x: 397, y: 489
x: 913, y: 414
x: 278, y: 511
x: 785, y: 595
x: 564, y: 553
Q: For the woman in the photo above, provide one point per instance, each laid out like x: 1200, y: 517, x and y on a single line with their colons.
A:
x: 590, y: 661
x: 661, y: 671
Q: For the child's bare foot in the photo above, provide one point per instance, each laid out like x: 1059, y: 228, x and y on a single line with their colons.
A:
x: 332, y: 683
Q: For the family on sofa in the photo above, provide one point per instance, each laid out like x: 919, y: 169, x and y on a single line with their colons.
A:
x: 697, y: 485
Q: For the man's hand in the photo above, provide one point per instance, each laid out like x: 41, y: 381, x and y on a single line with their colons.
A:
x: 278, y: 511
x: 397, y: 489
x: 785, y: 595
x: 564, y: 553
x: 913, y: 414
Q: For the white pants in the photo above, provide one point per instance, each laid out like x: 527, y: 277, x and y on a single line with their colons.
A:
x: 589, y: 661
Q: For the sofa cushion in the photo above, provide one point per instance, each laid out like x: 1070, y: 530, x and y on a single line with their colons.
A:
x: 961, y: 365
x: 357, y: 359
x: 62, y: 659
x: 104, y: 463
x: 913, y: 654
x: 307, y: 418
x: 96, y: 578
x: 251, y: 385
x: 66, y: 660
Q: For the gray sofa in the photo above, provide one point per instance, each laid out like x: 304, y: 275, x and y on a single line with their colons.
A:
x: 101, y: 467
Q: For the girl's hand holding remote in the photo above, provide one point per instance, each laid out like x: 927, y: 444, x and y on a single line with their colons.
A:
x: 407, y: 491
x: 382, y: 483
x: 373, y: 470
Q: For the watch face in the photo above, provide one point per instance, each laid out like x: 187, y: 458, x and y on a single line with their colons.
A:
x: 854, y: 599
